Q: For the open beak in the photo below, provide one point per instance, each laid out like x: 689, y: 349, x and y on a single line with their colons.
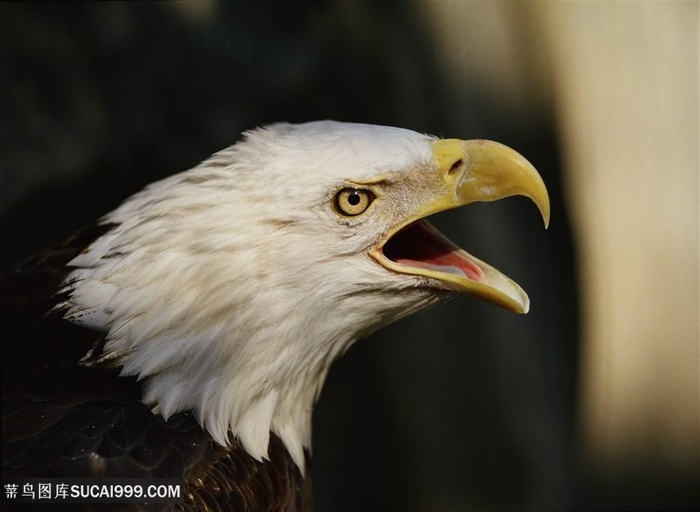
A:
x: 467, y: 172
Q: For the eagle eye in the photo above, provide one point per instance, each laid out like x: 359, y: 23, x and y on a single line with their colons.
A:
x: 352, y: 201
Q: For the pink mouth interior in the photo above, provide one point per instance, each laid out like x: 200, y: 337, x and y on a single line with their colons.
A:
x: 421, y: 245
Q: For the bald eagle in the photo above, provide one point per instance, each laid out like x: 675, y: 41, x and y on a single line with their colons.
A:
x: 188, y: 332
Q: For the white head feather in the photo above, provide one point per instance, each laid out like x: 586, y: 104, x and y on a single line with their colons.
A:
x: 230, y: 288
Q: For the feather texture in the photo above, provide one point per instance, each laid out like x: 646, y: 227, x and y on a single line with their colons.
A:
x: 61, y: 418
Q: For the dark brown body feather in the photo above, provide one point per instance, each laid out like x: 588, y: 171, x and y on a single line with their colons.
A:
x: 63, y: 419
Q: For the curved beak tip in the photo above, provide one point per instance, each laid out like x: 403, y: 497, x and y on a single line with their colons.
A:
x: 545, y: 216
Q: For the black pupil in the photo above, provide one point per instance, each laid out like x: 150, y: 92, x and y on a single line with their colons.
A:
x: 354, y: 198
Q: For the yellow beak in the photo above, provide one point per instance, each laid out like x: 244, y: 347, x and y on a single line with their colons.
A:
x: 466, y: 172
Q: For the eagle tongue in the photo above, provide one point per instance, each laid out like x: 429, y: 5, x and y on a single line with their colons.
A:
x: 421, y: 245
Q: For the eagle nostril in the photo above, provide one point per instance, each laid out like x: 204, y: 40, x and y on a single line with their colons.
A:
x: 455, y: 167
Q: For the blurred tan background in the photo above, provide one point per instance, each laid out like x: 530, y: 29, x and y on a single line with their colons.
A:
x: 621, y: 79
x: 627, y: 88
x: 592, y: 400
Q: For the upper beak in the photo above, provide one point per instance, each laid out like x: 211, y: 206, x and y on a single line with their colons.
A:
x: 483, y: 170
x: 467, y: 172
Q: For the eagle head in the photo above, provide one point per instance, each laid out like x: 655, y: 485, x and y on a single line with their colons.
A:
x: 230, y: 288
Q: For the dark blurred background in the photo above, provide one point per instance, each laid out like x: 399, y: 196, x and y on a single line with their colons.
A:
x: 465, y: 407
